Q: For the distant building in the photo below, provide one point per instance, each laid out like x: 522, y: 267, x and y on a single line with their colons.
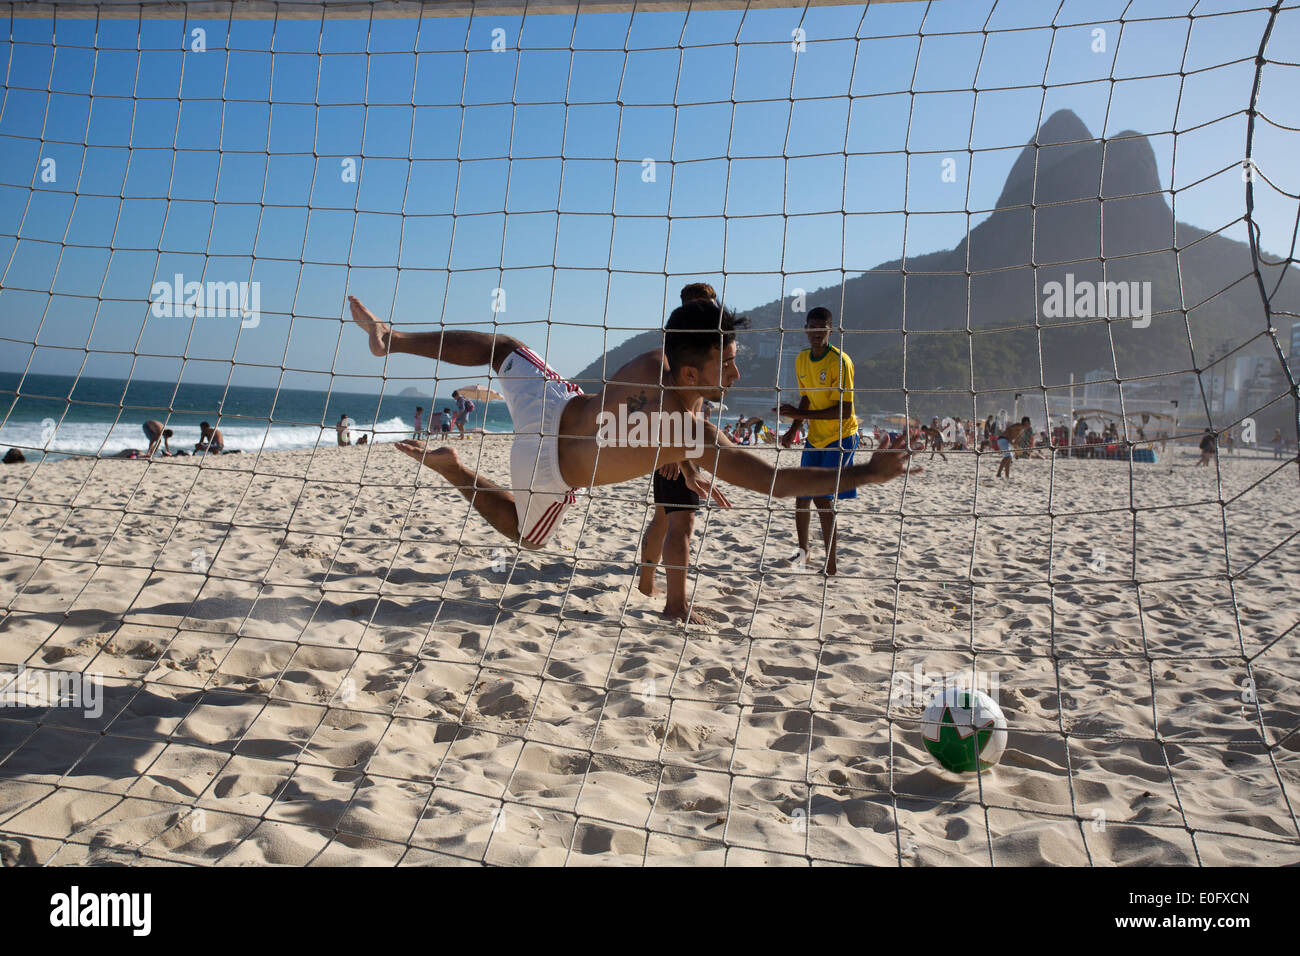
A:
x: 1099, y: 389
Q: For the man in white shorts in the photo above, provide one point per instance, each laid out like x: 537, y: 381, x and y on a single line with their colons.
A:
x: 556, y: 446
x: 536, y: 395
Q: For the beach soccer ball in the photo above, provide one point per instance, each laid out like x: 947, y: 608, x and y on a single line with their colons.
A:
x: 964, y: 729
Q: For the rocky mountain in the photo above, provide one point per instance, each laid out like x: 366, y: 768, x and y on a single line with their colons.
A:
x: 1074, y: 210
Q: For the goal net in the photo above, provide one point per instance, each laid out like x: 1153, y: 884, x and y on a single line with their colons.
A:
x: 1082, y: 214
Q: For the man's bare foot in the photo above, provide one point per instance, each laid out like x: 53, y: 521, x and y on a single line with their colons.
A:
x: 683, y: 614
x: 378, y: 331
x: 435, y: 458
x: 831, y: 566
x: 646, y: 585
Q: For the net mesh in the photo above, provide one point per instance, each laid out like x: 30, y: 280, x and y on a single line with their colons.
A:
x: 314, y: 655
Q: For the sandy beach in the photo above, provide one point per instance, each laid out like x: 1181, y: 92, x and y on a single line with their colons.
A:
x: 325, y: 657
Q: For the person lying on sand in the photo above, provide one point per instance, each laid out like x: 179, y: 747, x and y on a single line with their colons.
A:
x: 555, y: 450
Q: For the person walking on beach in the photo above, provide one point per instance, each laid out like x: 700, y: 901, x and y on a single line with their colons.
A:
x: 156, y: 435
x: 419, y: 421
x: 1007, y: 442
x: 1209, y: 448
x: 934, y: 438
x: 446, y: 423
x: 557, y: 447
x: 344, y: 430
x: 463, y: 408
x: 825, y: 377
x: 1277, y: 443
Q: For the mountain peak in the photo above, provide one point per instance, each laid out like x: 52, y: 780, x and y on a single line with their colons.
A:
x: 1063, y: 126
x: 1064, y: 162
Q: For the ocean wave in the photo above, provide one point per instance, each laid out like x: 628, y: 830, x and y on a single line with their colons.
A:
x: 107, y: 438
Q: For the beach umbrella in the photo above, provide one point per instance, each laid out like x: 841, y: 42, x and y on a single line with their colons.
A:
x: 1095, y: 413
x: 477, y: 393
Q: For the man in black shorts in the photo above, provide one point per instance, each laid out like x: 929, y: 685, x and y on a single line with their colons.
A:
x: 669, y: 534
x: 933, y: 433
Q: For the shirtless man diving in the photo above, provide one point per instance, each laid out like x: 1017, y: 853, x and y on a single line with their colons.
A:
x: 555, y: 450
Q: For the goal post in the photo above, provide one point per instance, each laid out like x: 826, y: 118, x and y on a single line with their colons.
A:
x: 1083, y: 214
x: 261, y: 9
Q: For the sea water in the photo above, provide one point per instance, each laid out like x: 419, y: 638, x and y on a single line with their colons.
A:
x: 66, y: 415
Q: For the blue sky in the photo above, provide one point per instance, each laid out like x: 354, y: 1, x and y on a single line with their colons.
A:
x: 519, y: 170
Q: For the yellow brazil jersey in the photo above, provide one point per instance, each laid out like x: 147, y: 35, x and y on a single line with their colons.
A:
x: 826, y: 382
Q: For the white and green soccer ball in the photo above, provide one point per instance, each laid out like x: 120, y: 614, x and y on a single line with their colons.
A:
x: 964, y: 729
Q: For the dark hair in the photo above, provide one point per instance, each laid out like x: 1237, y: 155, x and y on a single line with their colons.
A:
x: 204, y: 426
x: 1026, y: 421
x: 167, y: 433
x: 419, y: 408
x: 698, y: 290
x: 695, y: 329
x: 818, y: 314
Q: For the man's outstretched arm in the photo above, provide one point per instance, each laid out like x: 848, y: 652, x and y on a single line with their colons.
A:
x: 755, y: 472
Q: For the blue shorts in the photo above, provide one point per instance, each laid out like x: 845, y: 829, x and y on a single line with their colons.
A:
x: 835, y: 455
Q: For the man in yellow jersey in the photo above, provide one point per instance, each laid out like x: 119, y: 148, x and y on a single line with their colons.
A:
x: 826, y: 389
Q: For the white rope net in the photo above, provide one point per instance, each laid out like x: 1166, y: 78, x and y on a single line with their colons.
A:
x: 312, y: 654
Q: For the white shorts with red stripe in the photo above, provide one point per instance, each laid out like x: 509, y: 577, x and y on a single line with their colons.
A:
x: 536, y: 396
